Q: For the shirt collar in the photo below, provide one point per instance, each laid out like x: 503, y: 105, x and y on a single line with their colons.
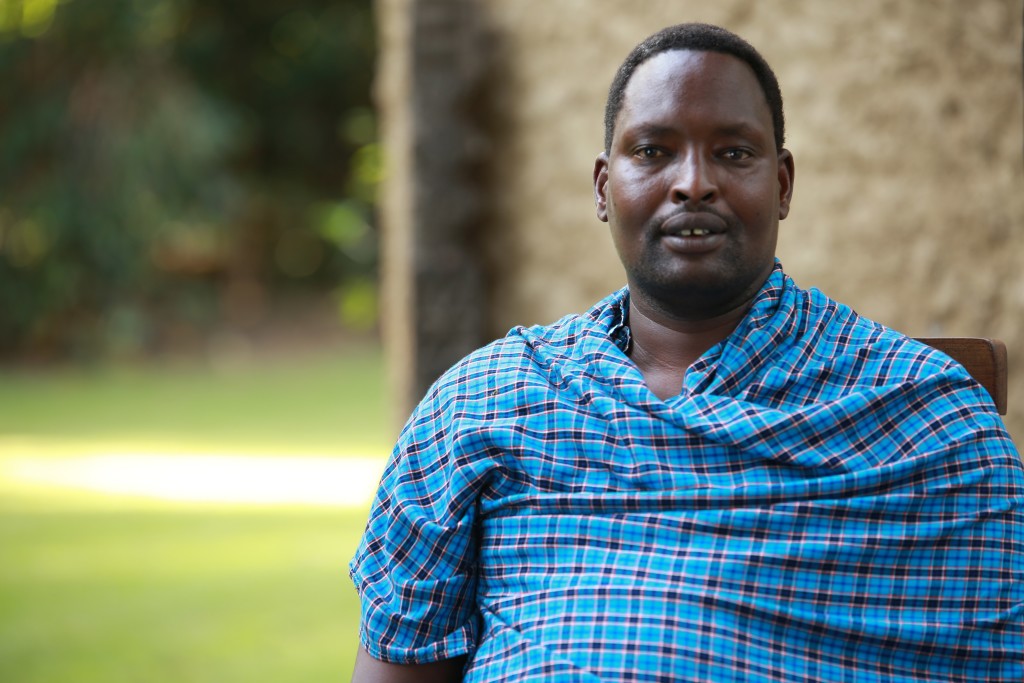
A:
x: 764, y: 306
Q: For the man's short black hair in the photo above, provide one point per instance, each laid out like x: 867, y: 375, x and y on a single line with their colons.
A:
x: 703, y: 38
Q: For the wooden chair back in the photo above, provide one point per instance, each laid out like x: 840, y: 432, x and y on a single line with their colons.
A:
x: 984, y: 358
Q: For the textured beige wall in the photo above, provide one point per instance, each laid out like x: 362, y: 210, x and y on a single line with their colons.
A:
x: 395, y: 210
x: 905, y: 119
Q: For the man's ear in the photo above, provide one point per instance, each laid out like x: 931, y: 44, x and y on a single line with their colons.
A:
x: 786, y: 173
x: 601, y: 186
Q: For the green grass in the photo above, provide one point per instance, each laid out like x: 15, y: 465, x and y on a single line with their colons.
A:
x: 122, y: 589
x: 316, y: 403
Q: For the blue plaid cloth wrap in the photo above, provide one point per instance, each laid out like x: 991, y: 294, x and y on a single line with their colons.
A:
x: 825, y: 500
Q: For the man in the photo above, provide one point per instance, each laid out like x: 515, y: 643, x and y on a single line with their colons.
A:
x: 713, y: 475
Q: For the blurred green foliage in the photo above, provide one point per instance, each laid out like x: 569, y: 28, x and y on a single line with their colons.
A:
x: 169, y: 165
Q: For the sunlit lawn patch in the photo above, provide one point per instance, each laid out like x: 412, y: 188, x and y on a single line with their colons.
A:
x: 300, y: 405
x: 122, y: 588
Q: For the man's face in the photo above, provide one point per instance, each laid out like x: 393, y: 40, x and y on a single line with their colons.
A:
x: 694, y: 187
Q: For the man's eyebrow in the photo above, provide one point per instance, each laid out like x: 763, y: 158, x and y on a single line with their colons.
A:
x: 737, y: 128
x: 649, y: 130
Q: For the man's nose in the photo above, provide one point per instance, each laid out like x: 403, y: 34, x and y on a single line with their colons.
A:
x: 694, y: 181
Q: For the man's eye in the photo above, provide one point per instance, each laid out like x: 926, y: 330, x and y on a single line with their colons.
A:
x: 648, y: 152
x: 736, y: 154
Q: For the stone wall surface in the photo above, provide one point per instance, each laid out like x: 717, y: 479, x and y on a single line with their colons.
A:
x: 905, y: 119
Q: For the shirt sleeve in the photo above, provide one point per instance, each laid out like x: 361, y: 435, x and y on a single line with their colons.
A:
x: 415, y: 568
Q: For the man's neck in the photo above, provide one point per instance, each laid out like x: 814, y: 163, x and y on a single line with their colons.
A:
x: 664, y: 347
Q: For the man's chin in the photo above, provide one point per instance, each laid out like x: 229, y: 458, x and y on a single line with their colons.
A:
x: 698, y: 292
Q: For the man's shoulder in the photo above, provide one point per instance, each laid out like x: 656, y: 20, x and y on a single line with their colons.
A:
x: 536, y: 349
x: 846, y: 333
x: 846, y: 352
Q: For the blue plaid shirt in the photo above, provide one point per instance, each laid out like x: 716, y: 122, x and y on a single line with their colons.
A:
x: 825, y: 500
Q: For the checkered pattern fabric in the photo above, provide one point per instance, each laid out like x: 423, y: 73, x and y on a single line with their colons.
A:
x: 825, y: 500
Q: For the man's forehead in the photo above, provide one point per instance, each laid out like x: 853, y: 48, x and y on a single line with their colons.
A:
x: 698, y: 77
x: 674, y: 69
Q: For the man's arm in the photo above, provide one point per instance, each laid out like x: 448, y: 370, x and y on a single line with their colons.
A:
x: 370, y: 670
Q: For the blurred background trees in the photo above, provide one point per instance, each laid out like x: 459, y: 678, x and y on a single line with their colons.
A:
x: 168, y: 167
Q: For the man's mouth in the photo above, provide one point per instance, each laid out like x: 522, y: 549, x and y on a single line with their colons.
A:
x: 700, y: 224
x: 693, y: 233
